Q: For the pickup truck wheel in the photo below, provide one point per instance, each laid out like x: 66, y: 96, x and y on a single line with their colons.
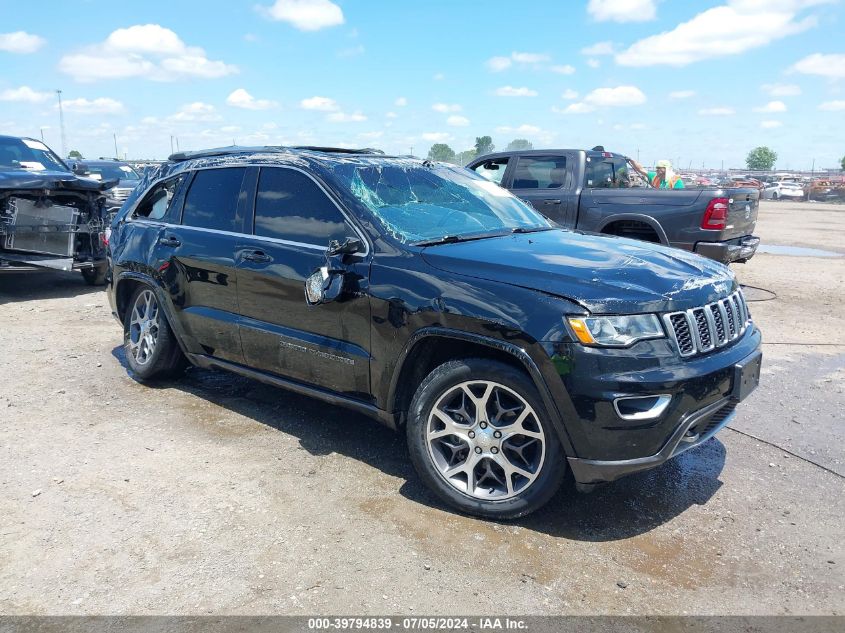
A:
x: 151, y: 348
x: 480, y: 438
x: 95, y: 276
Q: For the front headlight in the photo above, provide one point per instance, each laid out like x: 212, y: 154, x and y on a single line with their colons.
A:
x: 616, y: 331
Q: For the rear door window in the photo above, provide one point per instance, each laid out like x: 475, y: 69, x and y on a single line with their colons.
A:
x: 290, y: 206
x: 540, y: 172
x: 214, y: 198
x: 160, y: 200
x: 493, y: 170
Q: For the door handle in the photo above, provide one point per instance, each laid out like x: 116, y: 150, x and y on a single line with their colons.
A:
x: 169, y: 241
x: 552, y: 201
x: 259, y: 257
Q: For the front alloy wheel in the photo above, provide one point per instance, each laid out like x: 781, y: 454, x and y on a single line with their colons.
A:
x: 485, y: 440
x: 480, y: 437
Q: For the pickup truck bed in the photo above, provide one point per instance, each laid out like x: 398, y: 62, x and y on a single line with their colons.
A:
x: 600, y: 192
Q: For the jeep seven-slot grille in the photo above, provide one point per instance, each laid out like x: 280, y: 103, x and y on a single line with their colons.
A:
x: 700, y: 330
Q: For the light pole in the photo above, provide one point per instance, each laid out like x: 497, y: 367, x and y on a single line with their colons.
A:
x: 62, y: 124
x: 116, y: 153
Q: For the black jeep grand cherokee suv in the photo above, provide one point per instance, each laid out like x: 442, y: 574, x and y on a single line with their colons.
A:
x: 427, y: 297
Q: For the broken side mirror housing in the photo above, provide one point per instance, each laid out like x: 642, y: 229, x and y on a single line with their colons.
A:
x: 350, y: 246
x: 323, y: 286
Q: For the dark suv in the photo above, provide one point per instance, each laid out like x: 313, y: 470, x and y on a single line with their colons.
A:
x: 429, y: 298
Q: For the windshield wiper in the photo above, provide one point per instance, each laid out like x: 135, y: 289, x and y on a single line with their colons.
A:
x: 531, y: 229
x: 451, y: 239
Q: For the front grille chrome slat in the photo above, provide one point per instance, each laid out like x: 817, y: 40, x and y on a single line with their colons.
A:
x: 704, y: 329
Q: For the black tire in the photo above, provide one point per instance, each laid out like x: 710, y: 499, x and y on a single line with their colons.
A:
x: 439, y: 384
x: 95, y: 276
x: 166, y: 359
x: 775, y: 195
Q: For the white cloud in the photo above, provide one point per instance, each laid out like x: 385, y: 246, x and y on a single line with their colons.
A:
x: 196, y: 111
x: 437, y: 137
x: 446, y: 107
x: 564, y: 69
x: 593, y: 63
x: 147, y: 51
x: 781, y: 90
x: 240, y: 98
x: 510, y: 91
x: 729, y: 29
x: 619, y: 96
x: 20, y: 42
x: 343, y: 117
x: 457, y: 121
x: 305, y: 15
x: 622, y: 10
x: 24, y: 94
x: 392, y: 115
x: 322, y: 104
x: 574, y: 108
x: 529, y: 58
x: 832, y: 106
x: 569, y: 94
x: 522, y: 129
x: 832, y: 66
x: 772, y: 106
x: 682, y: 94
x: 770, y: 124
x: 102, y: 105
x: 401, y: 102
x: 716, y: 111
x: 599, y: 48
x: 498, y: 64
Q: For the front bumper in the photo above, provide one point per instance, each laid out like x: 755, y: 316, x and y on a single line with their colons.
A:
x: 740, y: 249
x: 693, y: 429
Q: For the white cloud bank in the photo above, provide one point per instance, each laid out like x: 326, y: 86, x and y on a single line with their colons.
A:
x: 240, y: 98
x: 143, y: 51
x: 20, y: 42
x: 305, y: 15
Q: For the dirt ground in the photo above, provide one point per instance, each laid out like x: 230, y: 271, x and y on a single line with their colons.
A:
x: 216, y: 494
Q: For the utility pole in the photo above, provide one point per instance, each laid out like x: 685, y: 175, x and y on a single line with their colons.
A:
x: 62, y: 124
x: 412, y: 150
x: 171, y: 143
x: 638, y: 154
x: 177, y: 143
x: 116, y: 153
x: 42, y: 134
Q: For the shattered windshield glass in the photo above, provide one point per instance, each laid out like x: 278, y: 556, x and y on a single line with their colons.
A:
x: 28, y: 154
x: 418, y: 202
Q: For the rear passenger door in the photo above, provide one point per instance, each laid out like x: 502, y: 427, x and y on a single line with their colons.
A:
x: 198, y: 261
x: 325, y: 345
x: 545, y: 182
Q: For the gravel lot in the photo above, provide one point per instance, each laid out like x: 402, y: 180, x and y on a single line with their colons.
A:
x: 216, y: 494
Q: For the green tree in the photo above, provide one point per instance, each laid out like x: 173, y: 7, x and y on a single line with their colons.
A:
x: 842, y: 163
x: 465, y: 156
x: 441, y: 151
x: 761, y: 158
x: 520, y: 143
x: 74, y: 154
x: 483, y: 145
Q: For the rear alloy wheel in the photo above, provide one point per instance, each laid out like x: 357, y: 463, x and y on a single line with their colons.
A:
x: 151, y: 348
x: 480, y: 438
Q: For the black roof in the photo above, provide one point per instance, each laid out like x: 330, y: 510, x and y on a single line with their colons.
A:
x: 267, y: 149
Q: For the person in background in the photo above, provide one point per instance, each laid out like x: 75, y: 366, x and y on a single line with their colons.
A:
x: 663, y: 176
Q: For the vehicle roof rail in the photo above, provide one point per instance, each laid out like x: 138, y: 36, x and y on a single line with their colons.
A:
x: 266, y: 149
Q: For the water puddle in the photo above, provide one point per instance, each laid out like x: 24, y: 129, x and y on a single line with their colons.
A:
x: 796, y: 251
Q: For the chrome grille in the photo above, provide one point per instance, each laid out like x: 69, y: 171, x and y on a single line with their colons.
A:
x: 120, y: 193
x: 700, y: 330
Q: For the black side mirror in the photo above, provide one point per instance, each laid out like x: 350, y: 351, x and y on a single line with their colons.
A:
x: 349, y: 246
x: 491, y: 166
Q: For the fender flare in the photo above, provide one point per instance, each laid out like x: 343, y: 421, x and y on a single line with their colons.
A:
x: 517, y: 352
x: 163, y: 299
x: 638, y: 217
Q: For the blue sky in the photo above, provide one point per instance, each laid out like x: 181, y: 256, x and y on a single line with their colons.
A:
x: 699, y: 82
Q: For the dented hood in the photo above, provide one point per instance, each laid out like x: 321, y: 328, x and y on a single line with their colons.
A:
x: 20, y: 179
x: 602, y: 273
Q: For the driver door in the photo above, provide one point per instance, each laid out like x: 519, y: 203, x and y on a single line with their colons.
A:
x: 326, y: 345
